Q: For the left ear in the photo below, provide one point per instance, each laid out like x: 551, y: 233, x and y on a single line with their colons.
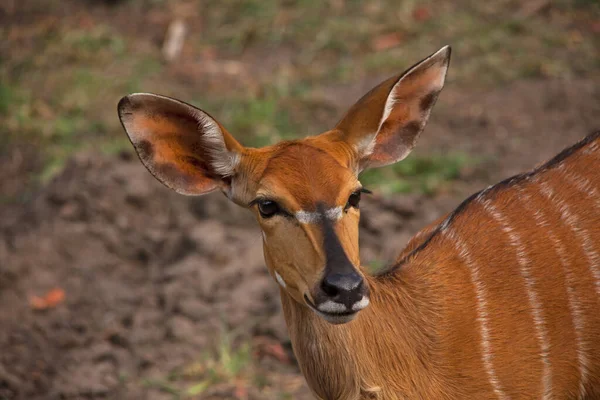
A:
x: 182, y: 146
x: 384, y: 125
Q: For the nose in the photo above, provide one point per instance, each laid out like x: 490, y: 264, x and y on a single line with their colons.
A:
x: 344, y: 288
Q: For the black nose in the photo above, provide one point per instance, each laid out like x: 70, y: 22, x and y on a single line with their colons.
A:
x: 345, y: 288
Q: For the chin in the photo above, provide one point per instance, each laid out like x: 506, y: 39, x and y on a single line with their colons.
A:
x: 337, y: 319
x: 340, y: 317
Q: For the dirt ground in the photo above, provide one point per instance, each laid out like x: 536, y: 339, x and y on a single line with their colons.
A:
x: 150, y: 276
x: 167, y: 297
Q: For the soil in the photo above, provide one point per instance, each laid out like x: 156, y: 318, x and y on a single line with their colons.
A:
x: 153, y: 279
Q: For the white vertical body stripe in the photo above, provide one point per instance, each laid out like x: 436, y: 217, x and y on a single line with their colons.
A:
x: 582, y: 184
x: 534, y: 303
x: 591, y: 149
x: 482, y: 313
x: 573, y: 221
x: 574, y: 306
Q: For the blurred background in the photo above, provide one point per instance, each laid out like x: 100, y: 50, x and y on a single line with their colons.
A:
x: 111, y: 286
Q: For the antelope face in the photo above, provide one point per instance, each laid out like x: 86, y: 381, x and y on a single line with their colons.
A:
x: 305, y: 194
x: 307, y: 204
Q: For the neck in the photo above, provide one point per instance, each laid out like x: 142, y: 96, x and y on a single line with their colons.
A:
x: 384, y: 352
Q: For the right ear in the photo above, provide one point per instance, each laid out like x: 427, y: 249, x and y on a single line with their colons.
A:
x: 384, y: 125
x: 183, y: 147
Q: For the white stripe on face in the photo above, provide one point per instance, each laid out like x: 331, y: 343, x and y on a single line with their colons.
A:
x: 307, y: 217
x: 280, y: 280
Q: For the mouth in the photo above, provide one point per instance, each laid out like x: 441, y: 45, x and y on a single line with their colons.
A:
x: 335, y: 318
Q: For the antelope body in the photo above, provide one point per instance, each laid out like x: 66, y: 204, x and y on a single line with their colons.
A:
x: 498, y: 300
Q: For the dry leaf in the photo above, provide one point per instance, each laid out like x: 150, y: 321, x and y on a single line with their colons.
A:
x: 50, y: 300
x: 241, y: 391
x: 421, y: 13
x: 267, y: 347
x: 387, y: 41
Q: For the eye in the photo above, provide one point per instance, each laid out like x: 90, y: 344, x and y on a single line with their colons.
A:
x: 267, y: 208
x: 353, y: 200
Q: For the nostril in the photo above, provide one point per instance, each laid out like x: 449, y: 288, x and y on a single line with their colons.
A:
x: 334, y: 284
x: 329, y: 288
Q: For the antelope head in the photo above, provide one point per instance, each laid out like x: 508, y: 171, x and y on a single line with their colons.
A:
x: 304, y: 193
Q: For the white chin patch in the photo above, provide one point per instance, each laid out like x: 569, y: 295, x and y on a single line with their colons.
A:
x: 280, y: 280
x: 332, y: 307
x: 359, y: 305
x: 337, y: 313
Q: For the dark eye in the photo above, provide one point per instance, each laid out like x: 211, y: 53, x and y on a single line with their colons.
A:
x: 267, y: 208
x: 353, y: 200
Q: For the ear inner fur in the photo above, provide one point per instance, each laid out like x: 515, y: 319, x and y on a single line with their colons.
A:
x: 183, y: 147
x: 384, y: 125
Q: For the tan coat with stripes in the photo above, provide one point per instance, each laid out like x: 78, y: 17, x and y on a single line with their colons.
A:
x: 498, y: 300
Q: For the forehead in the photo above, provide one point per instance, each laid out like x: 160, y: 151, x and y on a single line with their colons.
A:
x: 304, y: 176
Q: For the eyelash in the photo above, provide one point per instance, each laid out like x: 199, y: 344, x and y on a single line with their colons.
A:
x: 265, y: 203
x: 356, y: 195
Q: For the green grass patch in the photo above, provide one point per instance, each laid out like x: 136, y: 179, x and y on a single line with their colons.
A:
x: 95, y: 40
x: 61, y: 94
x: 60, y: 86
x: 256, y: 120
x: 422, y: 174
x: 230, y: 362
x: 375, y: 266
x: 162, y: 385
x: 6, y: 98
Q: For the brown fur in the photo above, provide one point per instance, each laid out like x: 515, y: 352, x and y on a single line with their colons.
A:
x: 422, y: 335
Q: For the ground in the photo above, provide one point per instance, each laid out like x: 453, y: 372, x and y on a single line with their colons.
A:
x: 112, y: 286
